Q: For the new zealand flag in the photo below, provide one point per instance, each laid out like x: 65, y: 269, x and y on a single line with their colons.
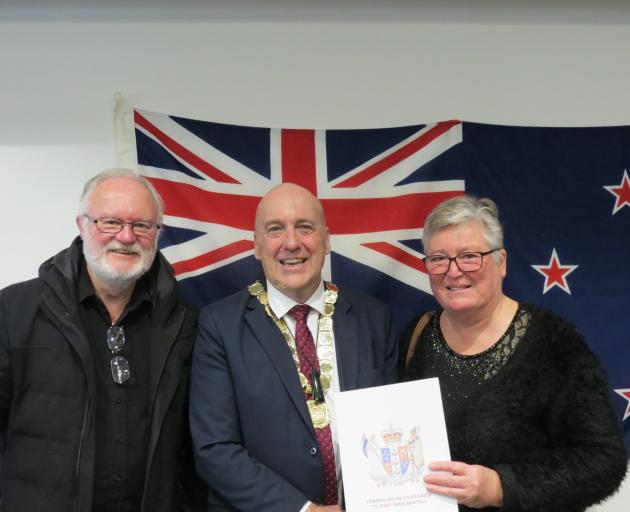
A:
x: 563, y: 196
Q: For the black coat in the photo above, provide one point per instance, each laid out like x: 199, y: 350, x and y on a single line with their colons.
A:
x: 544, y: 422
x: 47, y: 390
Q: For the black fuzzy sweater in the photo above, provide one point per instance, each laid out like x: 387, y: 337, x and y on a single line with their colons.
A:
x: 544, y: 422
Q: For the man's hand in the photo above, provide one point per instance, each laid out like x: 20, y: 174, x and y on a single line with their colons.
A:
x: 320, y: 508
x: 471, y: 485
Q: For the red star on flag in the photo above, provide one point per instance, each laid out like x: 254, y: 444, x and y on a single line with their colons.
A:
x: 621, y: 192
x: 555, y: 273
x: 626, y: 394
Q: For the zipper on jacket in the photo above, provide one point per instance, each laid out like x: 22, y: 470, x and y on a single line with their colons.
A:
x: 151, y: 449
x: 79, y: 453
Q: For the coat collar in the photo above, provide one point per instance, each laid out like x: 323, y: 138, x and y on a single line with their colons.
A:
x: 346, y: 343
x: 276, y: 348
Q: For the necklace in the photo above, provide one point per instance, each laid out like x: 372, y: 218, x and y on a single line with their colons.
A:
x: 318, y: 410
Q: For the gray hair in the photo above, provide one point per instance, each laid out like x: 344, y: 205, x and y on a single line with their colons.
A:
x: 460, y: 210
x: 95, y: 181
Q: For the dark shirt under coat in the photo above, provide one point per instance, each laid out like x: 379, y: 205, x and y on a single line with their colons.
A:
x: 121, y: 410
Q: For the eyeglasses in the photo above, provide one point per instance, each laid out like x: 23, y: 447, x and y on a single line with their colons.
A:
x: 113, y: 226
x: 466, y: 262
x: 119, y: 364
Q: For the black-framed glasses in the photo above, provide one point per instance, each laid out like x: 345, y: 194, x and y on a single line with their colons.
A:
x: 113, y: 226
x: 466, y: 262
x: 119, y: 364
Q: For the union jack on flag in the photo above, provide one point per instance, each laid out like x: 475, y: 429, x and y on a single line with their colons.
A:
x: 563, y: 195
x: 211, y: 191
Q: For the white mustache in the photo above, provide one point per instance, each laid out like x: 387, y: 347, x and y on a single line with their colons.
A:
x: 134, y: 248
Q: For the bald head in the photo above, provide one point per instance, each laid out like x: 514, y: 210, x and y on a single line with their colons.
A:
x: 285, y: 194
x: 291, y: 240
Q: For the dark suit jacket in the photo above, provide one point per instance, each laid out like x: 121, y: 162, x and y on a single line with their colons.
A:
x: 254, y: 441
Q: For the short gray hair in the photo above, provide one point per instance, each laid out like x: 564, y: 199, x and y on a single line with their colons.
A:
x: 95, y: 181
x: 460, y: 210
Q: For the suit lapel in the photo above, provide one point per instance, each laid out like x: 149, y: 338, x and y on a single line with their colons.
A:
x: 346, y: 344
x: 273, y: 343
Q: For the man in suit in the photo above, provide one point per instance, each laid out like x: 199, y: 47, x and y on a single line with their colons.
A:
x: 268, y: 362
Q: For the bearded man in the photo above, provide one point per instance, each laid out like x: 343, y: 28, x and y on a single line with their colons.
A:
x: 94, y: 367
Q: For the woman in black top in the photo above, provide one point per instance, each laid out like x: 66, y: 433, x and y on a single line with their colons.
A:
x: 527, y: 404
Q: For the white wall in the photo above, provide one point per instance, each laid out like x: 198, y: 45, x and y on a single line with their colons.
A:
x: 58, y: 79
x: 281, y: 63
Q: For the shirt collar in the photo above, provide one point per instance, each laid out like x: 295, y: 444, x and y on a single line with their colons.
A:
x: 280, y: 304
x: 85, y: 288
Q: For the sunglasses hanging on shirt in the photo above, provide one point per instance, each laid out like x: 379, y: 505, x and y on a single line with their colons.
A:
x: 119, y: 364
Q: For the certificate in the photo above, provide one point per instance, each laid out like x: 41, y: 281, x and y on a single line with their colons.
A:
x: 387, y: 436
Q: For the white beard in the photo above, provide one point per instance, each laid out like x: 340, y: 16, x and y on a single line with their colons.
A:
x: 95, y: 257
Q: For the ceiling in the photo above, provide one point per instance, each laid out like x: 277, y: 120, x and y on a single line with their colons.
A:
x: 431, y: 11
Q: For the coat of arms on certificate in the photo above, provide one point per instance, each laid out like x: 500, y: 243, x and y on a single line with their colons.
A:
x: 394, y: 456
x: 387, y: 436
